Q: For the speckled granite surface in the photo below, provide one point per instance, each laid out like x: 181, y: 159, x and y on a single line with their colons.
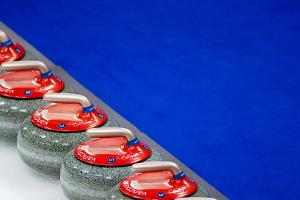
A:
x: 116, y: 194
x: 14, y: 111
x: 83, y: 181
x: 28, y: 55
x: 44, y: 150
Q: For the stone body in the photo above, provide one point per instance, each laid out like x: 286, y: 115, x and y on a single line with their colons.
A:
x: 14, y: 111
x: 28, y: 56
x: 81, y: 181
x: 44, y: 150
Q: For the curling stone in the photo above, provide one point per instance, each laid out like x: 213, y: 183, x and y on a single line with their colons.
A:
x: 157, y: 180
x: 96, y: 166
x: 12, y: 51
x: 22, y: 86
x: 52, y: 131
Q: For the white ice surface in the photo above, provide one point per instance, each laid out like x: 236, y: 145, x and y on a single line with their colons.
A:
x: 19, y: 182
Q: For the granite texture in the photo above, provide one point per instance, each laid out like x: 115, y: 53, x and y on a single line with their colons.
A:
x: 28, y: 56
x: 81, y: 181
x: 44, y: 150
x: 116, y: 194
x: 14, y: 111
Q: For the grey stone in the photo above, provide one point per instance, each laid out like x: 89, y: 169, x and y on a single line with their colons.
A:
x: 44, y: 150
x: 14, y: 111
x: 28, y: 56
x: 81, y: 181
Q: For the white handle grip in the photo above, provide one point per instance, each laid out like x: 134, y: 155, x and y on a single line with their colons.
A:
x: 196, y: 198
x: 67, y: 98
x: 4, y: 37
x: 23, y: 65
x: 110, y: 132
x: 157, y: 166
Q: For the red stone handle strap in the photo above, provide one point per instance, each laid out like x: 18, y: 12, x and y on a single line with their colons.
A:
x: 70, y: 98
x: 113, y: 132
x: 25, y: 65
x: 157, y: 166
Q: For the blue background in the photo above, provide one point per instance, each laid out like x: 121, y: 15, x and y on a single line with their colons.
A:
x: 216, y: 83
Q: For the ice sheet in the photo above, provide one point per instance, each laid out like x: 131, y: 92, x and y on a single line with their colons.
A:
x: 19, y: 182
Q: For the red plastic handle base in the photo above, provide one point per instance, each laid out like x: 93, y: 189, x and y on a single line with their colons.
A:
x: 112, y: 151
x: 29, y: 84
x: 157, y: 185
x: 68, y: 117
x: 11, y: 52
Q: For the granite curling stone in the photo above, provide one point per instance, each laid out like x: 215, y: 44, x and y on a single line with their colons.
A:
x: 12, y: 51
x: 52, y: 131
x: 96, y: 166
x: 22, y: 86
x: 157, y: 180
